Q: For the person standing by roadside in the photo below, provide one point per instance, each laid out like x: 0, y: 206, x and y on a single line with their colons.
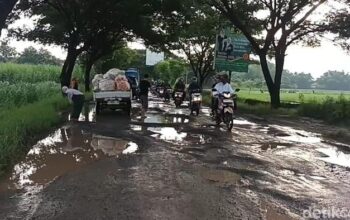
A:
x: 77, y: 99
x: 144, y: 89
x: 74, y: 84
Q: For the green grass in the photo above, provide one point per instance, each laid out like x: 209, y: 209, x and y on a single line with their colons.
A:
x: 301, y: 96
x: 30, y: 102
x: 19, y: 125
x: 19, y: 94
x: 332, y: 108
x: 15, y: 73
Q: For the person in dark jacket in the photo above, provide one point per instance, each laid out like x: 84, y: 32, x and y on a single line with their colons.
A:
x: 180, y: 86
x: 144, y: 90
x: 194, y: 87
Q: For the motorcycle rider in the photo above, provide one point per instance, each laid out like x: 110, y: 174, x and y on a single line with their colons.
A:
x: 214, y: 99
x: 193, y: 88
x: 223, y: 87
x: 180, y: 86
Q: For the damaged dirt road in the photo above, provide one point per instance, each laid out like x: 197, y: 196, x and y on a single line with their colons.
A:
x: 173, y: 166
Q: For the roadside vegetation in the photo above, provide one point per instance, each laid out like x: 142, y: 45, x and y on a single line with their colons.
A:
x: 30, y: 102
x: 331, y: 107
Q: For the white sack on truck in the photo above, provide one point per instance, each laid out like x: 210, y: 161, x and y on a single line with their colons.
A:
x: 96, y: 81
x: 113, y: 73
x: 106, y: 85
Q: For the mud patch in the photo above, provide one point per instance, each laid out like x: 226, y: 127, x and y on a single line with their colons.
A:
x: 272, y: 146
x: 221, y: 177
x: 273, y: 214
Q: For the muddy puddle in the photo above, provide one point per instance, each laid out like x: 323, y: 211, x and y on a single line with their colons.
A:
x: 176, y: 136
x: 67, y: 149
x: 334, y: 156
x: 162, y: 119
x: 88, y: 114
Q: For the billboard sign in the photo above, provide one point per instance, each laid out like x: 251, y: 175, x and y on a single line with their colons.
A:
x: 232, y: 51
x: 153, y: 58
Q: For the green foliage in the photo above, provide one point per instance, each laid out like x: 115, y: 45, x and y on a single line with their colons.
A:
x: 14, y: 73
x: 169, y: 70
x: 19, y: 94
x: 7, y: 53
x: 19, y: 124
x: 292, y: 96
x: 31, y: 55
x: 333, y: 110
x: 334, y: 80
x: 122, y: 58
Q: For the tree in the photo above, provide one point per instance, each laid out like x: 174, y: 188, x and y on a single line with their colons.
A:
x: 193, y: 32
x: 170, y: 70
x: 340, y: 25
x: 122, y: 58
x: 334, y: 80
x: 31, y: 55
x: 7, y: 53
x: 271, y: 27
x: 89, y: 25
x: 6, y: 7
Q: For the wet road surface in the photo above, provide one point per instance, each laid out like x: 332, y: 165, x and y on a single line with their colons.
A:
x: 174, y: 166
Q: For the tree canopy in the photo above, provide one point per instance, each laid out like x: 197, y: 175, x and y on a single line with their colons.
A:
x: 271, y: 27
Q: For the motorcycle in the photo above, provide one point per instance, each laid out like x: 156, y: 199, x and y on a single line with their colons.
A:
x: 160, y: 91
x: 196, y: 102
x: 178, y: 98
x: 225, y: 112
x: 167, y: 94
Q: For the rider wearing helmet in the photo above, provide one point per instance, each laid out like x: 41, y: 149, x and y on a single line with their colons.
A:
x: 194, y: 87
x: 214, y: 98
x: 223, y: 87
x: 180, y: 86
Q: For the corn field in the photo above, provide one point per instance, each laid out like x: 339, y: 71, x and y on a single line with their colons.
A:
x: 19, y: 94
x: 15, y: 73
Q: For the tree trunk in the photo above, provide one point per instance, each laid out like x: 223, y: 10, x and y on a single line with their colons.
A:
x: 88, y: 67
x: 68, y: 67
x: 6, y: 7
x: 274, y: 90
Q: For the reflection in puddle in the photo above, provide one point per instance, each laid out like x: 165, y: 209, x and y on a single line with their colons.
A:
x: 242, y: 122
x: 131, y: 148
x: 168, y: 134
x: 166, y: 119
x: 87, y: 115
x: 112, y: 146
x: 299, y: 136
x: 65, y: 150
x: 335, y: 156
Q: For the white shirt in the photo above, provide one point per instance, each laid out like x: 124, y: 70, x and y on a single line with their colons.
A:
x: 71, y: 92
x: 221, y: 88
